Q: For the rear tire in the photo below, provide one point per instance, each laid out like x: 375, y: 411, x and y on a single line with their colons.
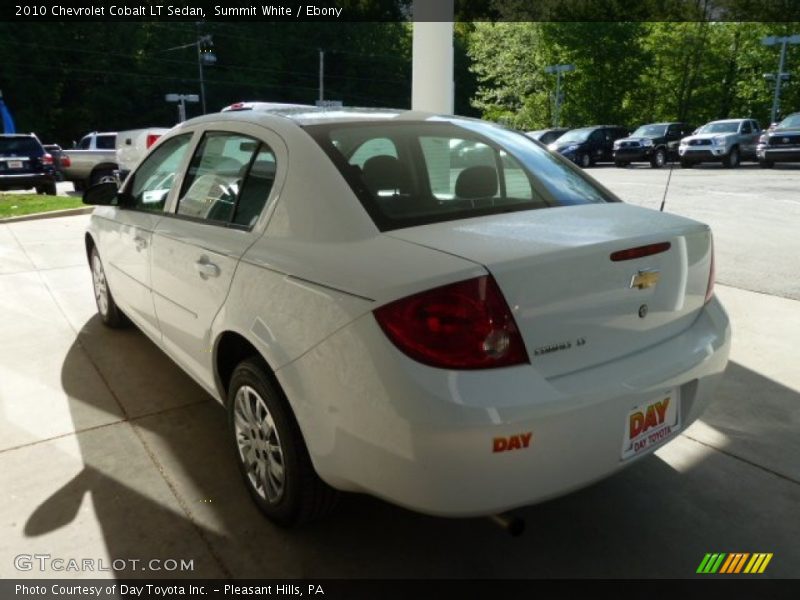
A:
x: 270, y: 451
x: 103, y: 175
x: 108, y: 310
x: 50, y: 189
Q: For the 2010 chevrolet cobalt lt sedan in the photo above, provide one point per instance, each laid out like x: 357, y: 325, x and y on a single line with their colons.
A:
x: 430, y: 309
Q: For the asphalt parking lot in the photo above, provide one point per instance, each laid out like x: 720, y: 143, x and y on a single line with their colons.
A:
x: 108, y: 451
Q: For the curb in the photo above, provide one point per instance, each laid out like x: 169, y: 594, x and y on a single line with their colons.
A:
x: 69, y: 212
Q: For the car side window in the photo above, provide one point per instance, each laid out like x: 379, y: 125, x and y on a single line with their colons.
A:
x: 215, y: 176
x: 597, y: 136
x: 746, y: 128
x: 756, y: 126
x: 84, y: 143
x: 256, y: 187
x: 151, y: 183
x: 105, y: 142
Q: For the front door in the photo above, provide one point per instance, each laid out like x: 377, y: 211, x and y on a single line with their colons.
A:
x: 126, y: 239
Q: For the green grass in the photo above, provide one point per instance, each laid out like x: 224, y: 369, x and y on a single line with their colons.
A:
x: 15, y: 205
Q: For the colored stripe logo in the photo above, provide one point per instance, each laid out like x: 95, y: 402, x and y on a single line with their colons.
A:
x: 734, y: 563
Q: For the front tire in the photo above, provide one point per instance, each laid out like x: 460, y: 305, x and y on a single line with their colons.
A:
x: 108, y: 310
x: 732, y: 160
x: 659, y: 159
x: 270, y: 450
x: 585, y: 161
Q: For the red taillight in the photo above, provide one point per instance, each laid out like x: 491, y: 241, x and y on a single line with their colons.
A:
x: 47, y: 159
x: 152, y: 138
x: 640, y: 251
x: 65, y: 161
x: 712, y: 274
x: 464, y: 325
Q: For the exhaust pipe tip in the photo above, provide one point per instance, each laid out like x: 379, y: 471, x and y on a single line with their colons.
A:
x: 513, y: 525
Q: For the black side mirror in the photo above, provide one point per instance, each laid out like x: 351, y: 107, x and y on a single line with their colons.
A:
x: 101, y: 194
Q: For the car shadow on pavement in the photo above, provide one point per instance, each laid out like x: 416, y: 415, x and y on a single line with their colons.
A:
x: 164, y: 482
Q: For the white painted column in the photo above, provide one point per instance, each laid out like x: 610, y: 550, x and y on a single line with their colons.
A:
x: 432, y: 63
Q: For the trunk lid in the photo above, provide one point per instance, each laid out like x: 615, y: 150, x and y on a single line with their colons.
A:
x: 574, y: 306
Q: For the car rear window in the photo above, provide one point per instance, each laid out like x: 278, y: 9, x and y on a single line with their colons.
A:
x: 20, y: 146
x: 419, y: 172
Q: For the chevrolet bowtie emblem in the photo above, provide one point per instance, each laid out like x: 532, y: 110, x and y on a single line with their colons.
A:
x: 645, y: 279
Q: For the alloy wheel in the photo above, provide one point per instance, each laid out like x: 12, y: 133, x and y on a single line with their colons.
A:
x: 100, y: 285
x: 259, y: 445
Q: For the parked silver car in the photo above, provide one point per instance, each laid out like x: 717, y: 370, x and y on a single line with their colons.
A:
x: 728, y: 141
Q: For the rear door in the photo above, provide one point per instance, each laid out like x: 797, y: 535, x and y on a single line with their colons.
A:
x: 197, y: 246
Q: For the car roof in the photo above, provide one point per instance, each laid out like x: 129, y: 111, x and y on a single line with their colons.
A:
x: 302, y: 115
x: 731, y: 120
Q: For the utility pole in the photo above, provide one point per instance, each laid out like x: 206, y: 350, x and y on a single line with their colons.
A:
x: 781, y: 75
x: 558, y: 70
x: 321, y: 75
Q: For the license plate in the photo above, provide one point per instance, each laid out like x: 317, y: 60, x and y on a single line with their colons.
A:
x: 651, y: 423
x: 15, y: 164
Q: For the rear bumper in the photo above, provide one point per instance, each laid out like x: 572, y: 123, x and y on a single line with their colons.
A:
x: 378, y: 422
x: 24, y: 181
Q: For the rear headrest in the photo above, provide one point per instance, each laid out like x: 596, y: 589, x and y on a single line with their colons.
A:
x: 384, y: 172
x: 479, y: 181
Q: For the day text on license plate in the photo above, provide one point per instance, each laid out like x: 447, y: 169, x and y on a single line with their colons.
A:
x: 651, y: 423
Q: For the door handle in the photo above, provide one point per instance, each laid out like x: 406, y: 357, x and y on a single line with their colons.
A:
x: 141, y: 243
x: 206, y: 269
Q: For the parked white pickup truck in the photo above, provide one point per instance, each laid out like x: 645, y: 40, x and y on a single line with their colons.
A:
x: 107, y: 156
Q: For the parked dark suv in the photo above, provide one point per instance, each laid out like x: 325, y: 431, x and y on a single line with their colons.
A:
x: 781, y: 143
x: 24, y: 164
x: 589, y: 145
x: 655, y: 143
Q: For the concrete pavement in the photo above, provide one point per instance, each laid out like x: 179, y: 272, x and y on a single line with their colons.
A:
x: 108, y: 451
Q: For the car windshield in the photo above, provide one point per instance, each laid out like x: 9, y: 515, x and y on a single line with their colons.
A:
x: 647, y: 131
x: 791, y: 122
x: 720, y: 127
x: 575, y: 136
x: 19, y: 146
x: 415, y: 173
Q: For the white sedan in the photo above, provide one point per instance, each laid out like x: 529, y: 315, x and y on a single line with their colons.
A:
x: 430, y: 309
